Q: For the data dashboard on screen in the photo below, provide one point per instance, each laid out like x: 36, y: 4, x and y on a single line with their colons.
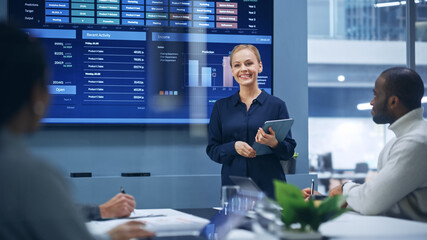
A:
x: 143, y: 61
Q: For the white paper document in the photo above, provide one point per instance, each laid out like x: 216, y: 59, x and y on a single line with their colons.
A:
x: 163, y: 222
x: 357, y: 226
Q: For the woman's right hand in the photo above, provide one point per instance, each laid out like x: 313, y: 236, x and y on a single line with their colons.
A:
x: 306, y: 192
x: 244, y: 149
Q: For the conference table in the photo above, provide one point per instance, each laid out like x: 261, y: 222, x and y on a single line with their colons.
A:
x: 350, y: 225
x: 206, y: 213
x: 353, y: 225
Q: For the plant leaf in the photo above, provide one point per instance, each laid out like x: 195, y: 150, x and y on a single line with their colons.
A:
x: 290, y: 198
x: 283, y: 189
x: 297, y: 210
x: 331, y: 208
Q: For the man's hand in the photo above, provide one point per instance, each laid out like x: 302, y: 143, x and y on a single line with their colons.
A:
x: 132, y: 229
x: 244, y: 149
x: 267, y: 139
x: 336, y: 191
x: 120, y: 205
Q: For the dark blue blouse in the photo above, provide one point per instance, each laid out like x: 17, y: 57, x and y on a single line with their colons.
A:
x: 231, y: 122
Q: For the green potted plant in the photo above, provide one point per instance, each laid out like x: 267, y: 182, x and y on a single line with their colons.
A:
x: 303, y: 217
x: 295, y: 156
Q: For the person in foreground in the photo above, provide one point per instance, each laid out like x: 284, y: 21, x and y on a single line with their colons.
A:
x: 35, y: 203
x: 400, y: 187
x: 236, y: 123
x: 118, y: 206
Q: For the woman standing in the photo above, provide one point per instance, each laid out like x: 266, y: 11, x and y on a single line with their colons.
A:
x: 236, y: 123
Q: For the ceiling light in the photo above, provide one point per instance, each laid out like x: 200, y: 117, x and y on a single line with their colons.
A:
x: 387, y: 4
x: 341, y: 78
x: 392, y: 4
x: 364, y: 106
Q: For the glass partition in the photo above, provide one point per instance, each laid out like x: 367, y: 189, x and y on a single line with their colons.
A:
x: 421, y: 41
x: 350, y: 42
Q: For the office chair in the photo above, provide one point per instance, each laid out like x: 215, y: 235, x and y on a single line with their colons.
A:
x: 288, y: 166
x: 361, y: 167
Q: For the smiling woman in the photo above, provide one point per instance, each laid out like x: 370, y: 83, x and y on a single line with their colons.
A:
x: 245, y: 66
x: 236, y: 122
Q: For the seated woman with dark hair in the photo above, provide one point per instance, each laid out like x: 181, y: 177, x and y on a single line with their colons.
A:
x: 35, y: 203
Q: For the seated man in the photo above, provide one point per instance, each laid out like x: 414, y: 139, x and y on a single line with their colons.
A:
x: 400, y: 188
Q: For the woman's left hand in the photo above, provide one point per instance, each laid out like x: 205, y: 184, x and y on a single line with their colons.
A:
x: 267, y: 139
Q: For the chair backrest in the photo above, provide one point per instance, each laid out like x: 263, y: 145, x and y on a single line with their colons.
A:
x: 289, y: 166
x: 361, y: 167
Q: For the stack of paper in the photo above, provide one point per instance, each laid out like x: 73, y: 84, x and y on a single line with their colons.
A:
x: 163, y: 222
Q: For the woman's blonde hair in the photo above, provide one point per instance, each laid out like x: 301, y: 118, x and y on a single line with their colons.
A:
x: 251, y: 48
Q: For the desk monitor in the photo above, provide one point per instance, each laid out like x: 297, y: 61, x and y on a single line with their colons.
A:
x: 324, y: 162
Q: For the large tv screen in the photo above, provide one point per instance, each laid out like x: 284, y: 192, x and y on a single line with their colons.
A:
x: 143, y: 61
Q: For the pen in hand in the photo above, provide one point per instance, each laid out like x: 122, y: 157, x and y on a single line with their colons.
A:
x: 122, y: 190
x: 312, y: 188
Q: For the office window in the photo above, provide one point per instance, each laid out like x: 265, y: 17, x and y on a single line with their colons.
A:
x: 421, y: 40
x: 350, y: 42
